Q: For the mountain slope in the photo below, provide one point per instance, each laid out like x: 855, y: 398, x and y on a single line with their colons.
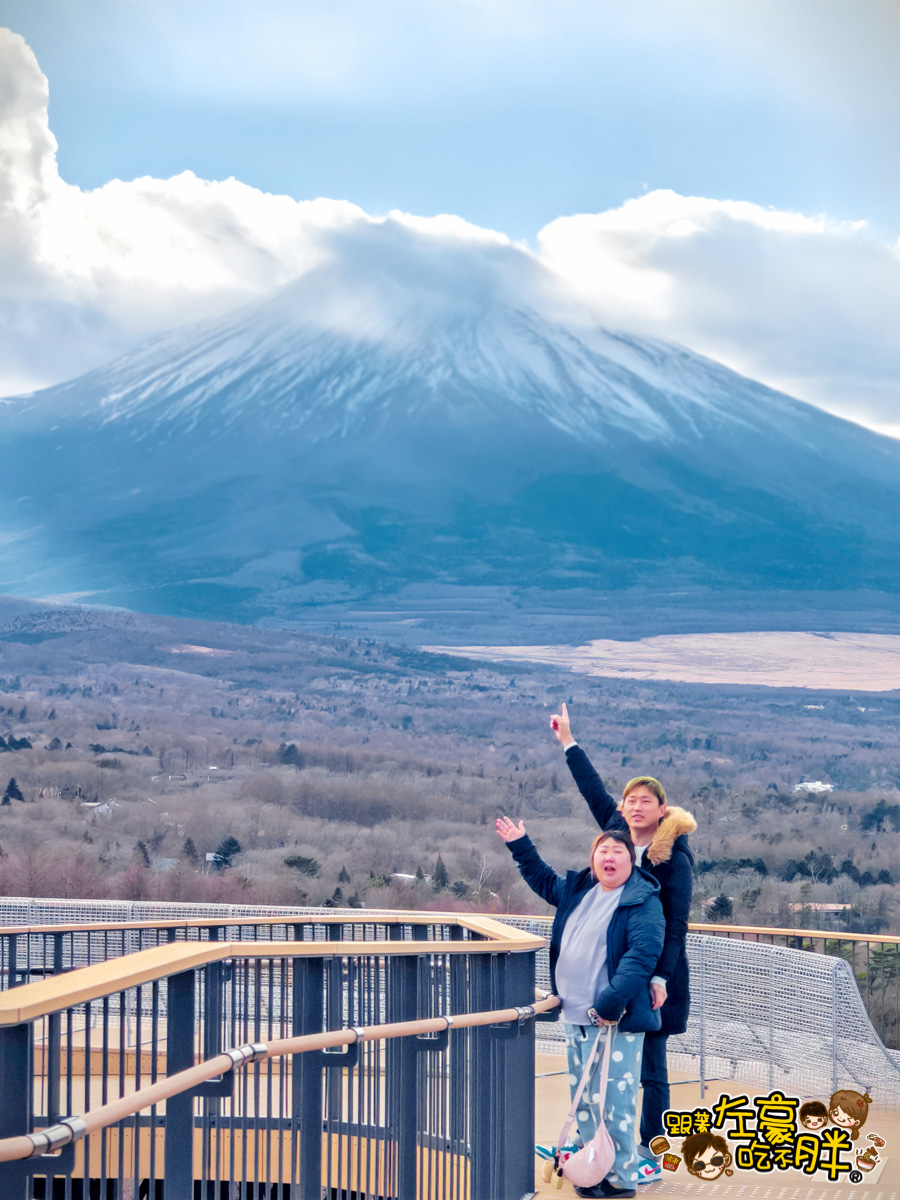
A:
x: 370, y: 427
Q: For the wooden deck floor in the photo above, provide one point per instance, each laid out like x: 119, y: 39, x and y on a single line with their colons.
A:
x: 552, y: 1103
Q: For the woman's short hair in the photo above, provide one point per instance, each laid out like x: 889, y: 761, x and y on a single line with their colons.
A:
x: 649, y: 782
x: 613, y: 835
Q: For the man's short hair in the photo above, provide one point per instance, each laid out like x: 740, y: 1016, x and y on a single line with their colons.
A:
x: 613, y: 835
x: 646, y: 781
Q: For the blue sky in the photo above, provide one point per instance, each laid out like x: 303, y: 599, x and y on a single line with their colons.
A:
x: 509, y: 114
x: 656, y: 120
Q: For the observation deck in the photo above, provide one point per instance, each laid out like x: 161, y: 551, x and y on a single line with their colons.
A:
x: 188, y: 1052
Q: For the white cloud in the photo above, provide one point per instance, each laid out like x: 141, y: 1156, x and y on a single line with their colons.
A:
x: 86, y: 273
x: 799, y: 301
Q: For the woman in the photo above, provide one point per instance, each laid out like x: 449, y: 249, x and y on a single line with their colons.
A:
x: 605, y: 942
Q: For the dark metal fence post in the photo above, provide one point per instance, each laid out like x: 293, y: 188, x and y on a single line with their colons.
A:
x: 16, y: 1060
x: 334, y: 1010
x: 403, y: 1074
x: 179, y: 1147
x: 306, y: 1077
x: 54, y: 1043
x: 14, y: 980
x: 459, y: 1049
x: 483, y: 1133
x: 515, y: 1086
x: 212, y: 1011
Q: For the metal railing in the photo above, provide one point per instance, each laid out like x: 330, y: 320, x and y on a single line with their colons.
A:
x: 874, y: 962
x: 373, y: 1106
x: 37, y: 939
x: 788, y: 1005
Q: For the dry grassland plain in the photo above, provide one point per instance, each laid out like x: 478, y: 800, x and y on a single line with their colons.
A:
x: 857, y: 661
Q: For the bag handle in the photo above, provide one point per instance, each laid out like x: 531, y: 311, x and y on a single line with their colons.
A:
x: 585, y: 1075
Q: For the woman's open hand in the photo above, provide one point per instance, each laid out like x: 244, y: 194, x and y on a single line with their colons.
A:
x: 509, y: 831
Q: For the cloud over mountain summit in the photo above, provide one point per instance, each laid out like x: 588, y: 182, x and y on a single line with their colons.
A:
x: 799, y: 301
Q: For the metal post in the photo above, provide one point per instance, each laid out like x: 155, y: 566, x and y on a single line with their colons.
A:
x: 771, y: 1000
x: 13, y: 961
x: 54, y: 1043
x: 515, y: 1086
x: 179, y: 1145
x: 335, y: 994
x: 212, y: 1022
x: 405, y: 971
x: 702, y: 973
x: 53, y: 1066
x: 16, y: 1060
x: 306, y: 1077
x: 459, y: 1049
x: 482, y: 1131
x: 834, y: 1086
x: 212, y: 1035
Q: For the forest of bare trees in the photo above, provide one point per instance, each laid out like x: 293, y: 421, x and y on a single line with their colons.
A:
x: 144, y: 757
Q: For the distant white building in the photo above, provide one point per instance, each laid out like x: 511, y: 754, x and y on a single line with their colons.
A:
x: 100, y: 808
x: 813, y: 785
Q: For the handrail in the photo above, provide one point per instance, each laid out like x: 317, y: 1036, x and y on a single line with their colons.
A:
x: 368, y: 916
x: 766, y: 931
x: 74, y: 1128
x: 821, y: 934
x: 32, y: 1001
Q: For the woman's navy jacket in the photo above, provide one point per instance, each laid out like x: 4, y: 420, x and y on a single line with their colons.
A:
x: 634, y: 936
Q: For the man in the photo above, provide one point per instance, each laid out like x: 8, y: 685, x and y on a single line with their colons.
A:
x: 605, y: 941
x: 660, y: 836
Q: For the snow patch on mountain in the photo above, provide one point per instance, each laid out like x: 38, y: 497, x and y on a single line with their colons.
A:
x: 403, y: 329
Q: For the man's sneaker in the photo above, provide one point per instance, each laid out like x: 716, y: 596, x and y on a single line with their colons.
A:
x: 649, y: 1171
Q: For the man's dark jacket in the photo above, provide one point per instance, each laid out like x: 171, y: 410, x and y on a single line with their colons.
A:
x: 634, y: 936
x: 670, y: 861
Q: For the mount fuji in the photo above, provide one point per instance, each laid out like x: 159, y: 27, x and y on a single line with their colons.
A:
x: 406, y: 415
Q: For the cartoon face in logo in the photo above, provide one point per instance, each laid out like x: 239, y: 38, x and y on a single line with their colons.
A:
x: 706, y: 1155
x: 849, y: 1110
x: 813, y: 1115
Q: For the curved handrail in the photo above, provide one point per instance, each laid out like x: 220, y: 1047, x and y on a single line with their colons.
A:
x: 74, y: 1128
x: 819, y: 935
x: 32, y: 1001
x: 368, y: 916
x: 362, y: 916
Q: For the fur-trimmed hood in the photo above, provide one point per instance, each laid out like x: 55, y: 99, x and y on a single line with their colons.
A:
x: 676, y: 822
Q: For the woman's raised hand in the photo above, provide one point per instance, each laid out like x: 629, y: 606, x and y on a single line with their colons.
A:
x: 559, y: 723
x: 509, y: 831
